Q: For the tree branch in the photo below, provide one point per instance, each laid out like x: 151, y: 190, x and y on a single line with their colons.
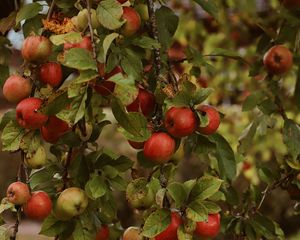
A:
x: 91, y: 29
x: 51, y: 8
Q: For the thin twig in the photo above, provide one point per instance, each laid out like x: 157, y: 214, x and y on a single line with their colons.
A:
x: 154, y: 33
x: 16, y: 5
x: 66, y: 168
x: 51, y: 8
x: 16, y: 226
x: 91, y: 29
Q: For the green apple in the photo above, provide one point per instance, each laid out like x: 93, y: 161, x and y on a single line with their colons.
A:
x: 36, y: 159
x: 71, y: 202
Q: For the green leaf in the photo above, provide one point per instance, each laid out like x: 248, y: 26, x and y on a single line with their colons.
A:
x: 8, y: 23
x: 131, y: 64
x: 122, y: 163
x: 4, y: 74
x: 52, y: 227
x: 225, y: 156
x: 105, y: 46
x: 81, y: 231
x: 156, y: 223
x: 228, y: 54
x: 4, y: 233
x: 109, y: 13
x: 7, y: 117
x: 57, y: 104
x: 177, y: 193
x: 209, y: 6
x: 205, y: 187
x: 95, y: 187
x: 85, y: 76
x: 201, y: 95
x: 145, y: 42
x: 182, y: 235
x: 71, y: 37
x: 33, y: 25
x: 291, y: 137
x: 133, y: 122
x: 196, y: 211
x: 212, y: 208
x: 167, y: 23
x: 253, y: 100
x: 11, y: 136
x: 28, y: 11
x: 80, y: 59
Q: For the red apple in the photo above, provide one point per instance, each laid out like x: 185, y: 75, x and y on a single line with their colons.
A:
x: 132, y: 233
x: 176, y: 52
x: 180, y: 121
x: 246, y: 166
x: 159, y: 148
x: 136, y: 145
x: 103, y: 233
x: 36, y: 49
x: 18, y: 193
x: 213, y: 120
x: 122, y: 1
x: 145, y: 102
x: 210, y: 228
x: 84, y: 44
x: 106, y: 88
x: 171, y: 232
x: 133, y: 21
x: 291, y: 4
x: 51, y: 73
x: 278, y: 60
x: 16, y: 88
x: 39, y: 206
x: 27, y: 114
x: 203, y: 82
x: 54, y: 129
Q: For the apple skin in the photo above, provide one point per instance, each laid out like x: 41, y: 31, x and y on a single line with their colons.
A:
x: 106, y: 88
x: 176, y: 52
x: 36, y: 49
x: 27, y: 114
x: 18, y: 193
x: 122, y: 1
x: 51, y: 73
x: 84, y: 44
x: 171, y: 232
x: 37, y: 159
x: 103, y: 233
x: 278, y: 60
x: 133, y: 21
x: 145, y: 102
x: 139, y: 195
x: 16, y: 88
x: 39, y: 206
x: 54, y: 129
x: 291, y: 4
x: 159, y: 148
x: 70, y: 203
x: 132, y: 233
x: 180, y: 121
x: 213, y: 120
x: 209, y: 229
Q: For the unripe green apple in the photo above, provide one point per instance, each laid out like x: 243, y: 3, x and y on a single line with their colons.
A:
x: 139, y: 195
x: 70, y: 203
x: 36, y: 159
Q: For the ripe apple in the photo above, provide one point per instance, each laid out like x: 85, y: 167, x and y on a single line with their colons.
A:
x: 291, y: 4
x: 36, y: 49
x: 213, y: 120
x: 70, y: 203
x: 106, y: 88
x: 18, y: 193
x: 133, y: 21
x: 39, y: 206
x: 51, y: 73
x: 54, y: 129
x: 132, y: 233
x: 170, y: 233
x: 203, y: 82
x: 210, y: 228
x: 103, y: 233
x: 122, y: 1
x: 136, y: 145
x: 176, y: 52
x: 278, y: 60
x: 27, y: 114
x: 246, y: 166
x: 139, y: 195
x: 84, y: 44
x: 36, y: 159
x: 180, y: 121
x: 159, y: 148
x: 16, y: 88
x: 145, y: 102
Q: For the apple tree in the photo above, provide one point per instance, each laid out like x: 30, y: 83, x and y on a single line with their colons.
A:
x: 171, y: 73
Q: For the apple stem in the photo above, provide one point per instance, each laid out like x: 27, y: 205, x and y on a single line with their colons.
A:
x: 51, y: 7
x: 91, y: 29
x: 16, y: 5
x: 154, y: 33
